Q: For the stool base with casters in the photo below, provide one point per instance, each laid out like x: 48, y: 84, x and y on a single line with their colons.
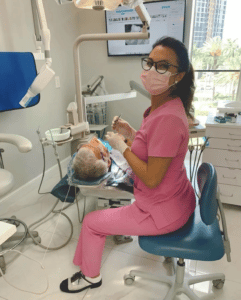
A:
x: 200, y: 239
x: 178, y: 283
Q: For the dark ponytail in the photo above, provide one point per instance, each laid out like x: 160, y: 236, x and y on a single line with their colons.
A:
x: 185, y: 88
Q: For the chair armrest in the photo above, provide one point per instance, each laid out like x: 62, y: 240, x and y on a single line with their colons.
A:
x: 23, y: 144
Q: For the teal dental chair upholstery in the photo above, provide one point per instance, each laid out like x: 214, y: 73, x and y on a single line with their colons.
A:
x: 199, y: 239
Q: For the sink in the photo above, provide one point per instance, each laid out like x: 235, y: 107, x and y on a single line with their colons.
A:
x: 234, y: 104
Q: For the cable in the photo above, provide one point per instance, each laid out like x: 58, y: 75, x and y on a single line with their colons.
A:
x: 41, y: 264
x: 55, y: 248
x: 60, y: 213
x: 194, y: 161
x: 44, y: 161
x: 191, y: 148
x: 56, y: 203
x: 78, y: 208
x: 27, y: 230
x: 38, y: 132
x: 190, y: 165
x: 40, y: 293
x: 202, y: 149
x: 194, y: 184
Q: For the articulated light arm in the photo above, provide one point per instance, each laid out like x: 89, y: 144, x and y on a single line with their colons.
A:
x: 101, y: 5
x: 46, y: 73
x: 136, y: 86
x: 140, y: 9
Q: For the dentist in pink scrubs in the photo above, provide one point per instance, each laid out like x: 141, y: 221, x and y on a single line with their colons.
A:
x: 164, y: 197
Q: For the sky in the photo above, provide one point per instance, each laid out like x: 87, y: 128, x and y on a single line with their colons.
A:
x: 232, y: 23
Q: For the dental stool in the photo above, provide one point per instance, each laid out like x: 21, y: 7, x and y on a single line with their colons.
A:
x: 199, y: 239
x: 6, y: 185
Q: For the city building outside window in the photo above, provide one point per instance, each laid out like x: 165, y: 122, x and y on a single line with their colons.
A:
x: 216, y: 54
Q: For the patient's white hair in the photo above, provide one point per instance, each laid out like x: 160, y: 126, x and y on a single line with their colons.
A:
x: 87, y: 166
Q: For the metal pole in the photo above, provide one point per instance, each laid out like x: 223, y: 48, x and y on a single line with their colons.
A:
x: 96, y: 37
x: 136, y: 86
x: 35, y: 20
x: 238, y: 97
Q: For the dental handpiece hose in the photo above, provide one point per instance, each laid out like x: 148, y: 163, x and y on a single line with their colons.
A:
x: 56, y: 154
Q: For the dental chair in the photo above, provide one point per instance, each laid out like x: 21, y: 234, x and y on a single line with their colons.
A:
x: 6, y: 185
x: 110, y: 190
x: 200, y: 239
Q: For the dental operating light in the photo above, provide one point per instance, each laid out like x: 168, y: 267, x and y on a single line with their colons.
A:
x: 98, y: 4
x: 113, y: 4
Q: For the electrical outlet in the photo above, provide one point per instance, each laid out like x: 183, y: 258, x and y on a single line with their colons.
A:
x: 57, y: 82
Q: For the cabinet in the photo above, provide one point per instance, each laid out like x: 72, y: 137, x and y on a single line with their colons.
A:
x: 224, y: 152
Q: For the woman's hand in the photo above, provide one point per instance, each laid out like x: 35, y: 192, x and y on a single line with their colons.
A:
x: 192, y: 122
x: 123, y: 127
x: 116, y: 141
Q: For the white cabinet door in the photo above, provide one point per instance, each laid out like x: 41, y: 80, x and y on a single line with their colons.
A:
x: 223, y: 132
x: 225, y: 144
x: 229, y: 176
x: 230, y: 194
x: 222, y: 158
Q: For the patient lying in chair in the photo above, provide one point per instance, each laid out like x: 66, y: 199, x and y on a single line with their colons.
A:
x: 93, y: 160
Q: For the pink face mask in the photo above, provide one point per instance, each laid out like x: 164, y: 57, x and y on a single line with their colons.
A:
x: 154, y: 82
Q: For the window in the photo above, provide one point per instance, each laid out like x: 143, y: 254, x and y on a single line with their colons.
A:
x: 216, y: 56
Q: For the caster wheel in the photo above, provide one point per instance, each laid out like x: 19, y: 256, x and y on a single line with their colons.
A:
x: 218, y: 283
x: 168, y: 259
x: 129, y: 280
x: 38, y: 239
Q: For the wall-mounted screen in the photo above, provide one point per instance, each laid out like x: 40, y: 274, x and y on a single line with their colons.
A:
x: 167, y: 19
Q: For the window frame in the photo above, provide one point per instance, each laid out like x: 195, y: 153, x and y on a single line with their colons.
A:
x: 191, y: 6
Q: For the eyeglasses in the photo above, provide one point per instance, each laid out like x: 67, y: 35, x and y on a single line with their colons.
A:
x: 160, y: 66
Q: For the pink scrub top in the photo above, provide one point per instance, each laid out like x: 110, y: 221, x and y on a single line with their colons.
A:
x: 164, y: 133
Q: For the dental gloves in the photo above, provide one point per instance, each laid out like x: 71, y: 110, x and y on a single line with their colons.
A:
x: 124, y: 128
x: 116, y: 141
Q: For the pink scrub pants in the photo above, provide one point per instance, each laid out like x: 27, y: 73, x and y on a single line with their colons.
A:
x: 113, y: 221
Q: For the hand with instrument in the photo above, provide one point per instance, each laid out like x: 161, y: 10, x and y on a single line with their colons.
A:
x: 124, y: 128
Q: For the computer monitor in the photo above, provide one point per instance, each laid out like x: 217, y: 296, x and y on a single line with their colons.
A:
x: 167, y: 19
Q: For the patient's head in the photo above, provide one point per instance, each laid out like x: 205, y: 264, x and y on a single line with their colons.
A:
x: 92, y: 160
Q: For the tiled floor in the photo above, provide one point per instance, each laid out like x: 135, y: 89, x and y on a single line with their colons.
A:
x: 117, y: 260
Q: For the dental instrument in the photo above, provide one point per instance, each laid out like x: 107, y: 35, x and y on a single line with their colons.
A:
x: 46, y: 73
x: 117, y: 119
